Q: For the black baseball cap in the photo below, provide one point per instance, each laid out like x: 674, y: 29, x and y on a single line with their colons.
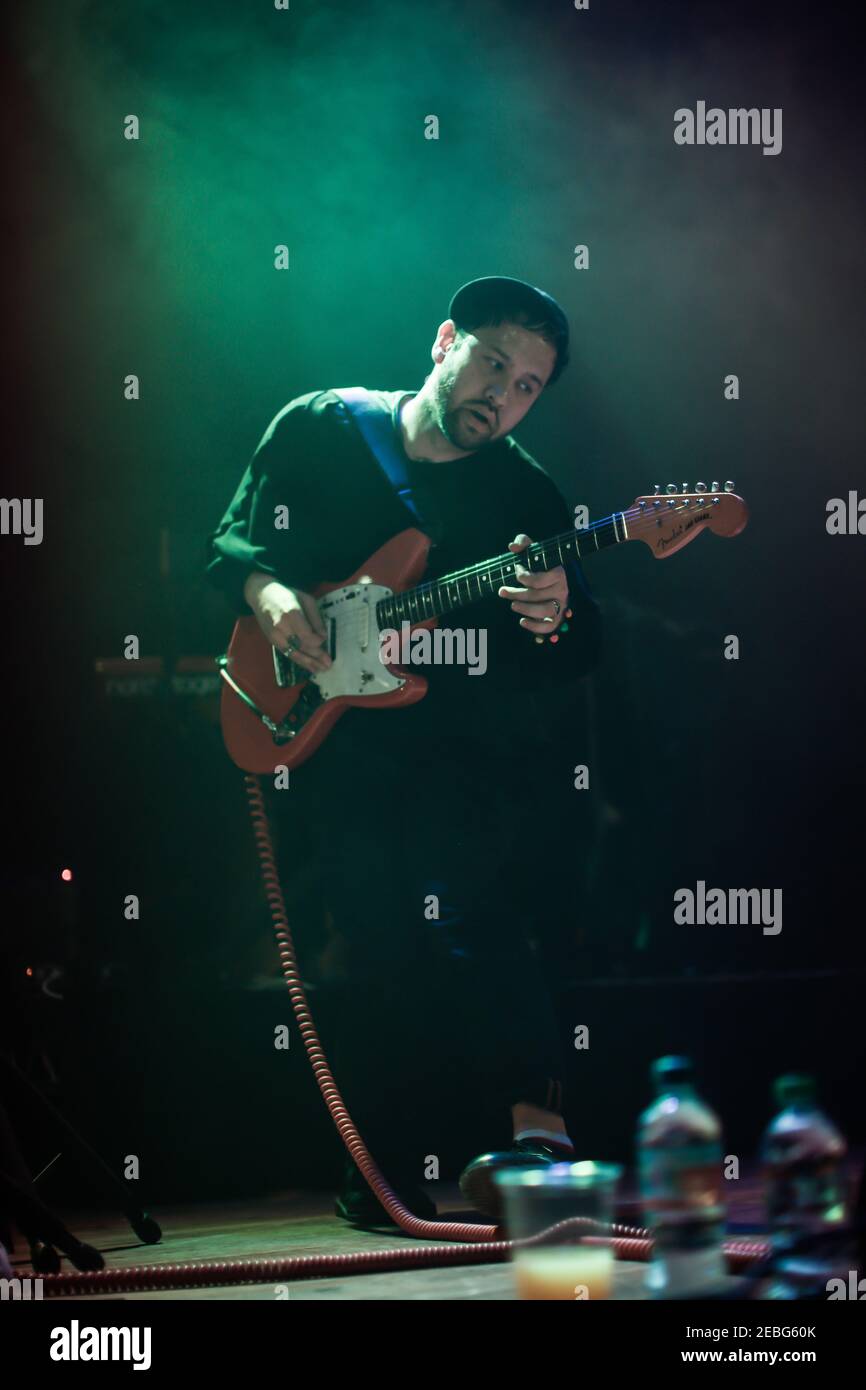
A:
x: 501, y: 295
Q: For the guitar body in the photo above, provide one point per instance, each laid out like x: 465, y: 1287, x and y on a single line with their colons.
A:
x: 310, y: 708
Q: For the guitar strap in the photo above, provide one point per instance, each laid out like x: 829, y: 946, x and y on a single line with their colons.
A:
x: 377, y: 430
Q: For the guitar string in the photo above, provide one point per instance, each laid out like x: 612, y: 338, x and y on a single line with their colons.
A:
x: 605, y: 523
x: 486, y: 567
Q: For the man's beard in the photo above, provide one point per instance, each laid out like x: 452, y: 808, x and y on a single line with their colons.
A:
x: 451, y: 420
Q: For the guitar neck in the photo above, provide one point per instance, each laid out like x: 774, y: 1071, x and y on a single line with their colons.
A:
x: 439, y: 596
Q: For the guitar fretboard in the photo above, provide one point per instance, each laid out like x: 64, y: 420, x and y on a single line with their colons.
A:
x: 439, y: 596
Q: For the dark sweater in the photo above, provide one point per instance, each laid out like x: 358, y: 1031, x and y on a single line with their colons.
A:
x: 313, y: 460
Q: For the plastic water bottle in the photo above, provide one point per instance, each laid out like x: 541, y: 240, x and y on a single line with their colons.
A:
x: 680, y: 1173
x: 803, y: 1155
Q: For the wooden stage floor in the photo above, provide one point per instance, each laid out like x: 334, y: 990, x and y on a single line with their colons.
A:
x: 298, y: 1223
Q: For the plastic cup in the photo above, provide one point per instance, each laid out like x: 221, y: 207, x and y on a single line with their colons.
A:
x: 559, y: 1219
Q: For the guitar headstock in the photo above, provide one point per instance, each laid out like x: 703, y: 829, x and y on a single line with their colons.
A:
x: 668, y: 520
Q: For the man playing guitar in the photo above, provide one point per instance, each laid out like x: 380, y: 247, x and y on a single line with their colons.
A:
x: 429, y: 822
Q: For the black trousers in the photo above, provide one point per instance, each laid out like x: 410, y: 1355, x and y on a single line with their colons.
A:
x: 431, y: 876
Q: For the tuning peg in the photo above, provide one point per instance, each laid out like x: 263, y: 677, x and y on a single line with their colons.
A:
x: 656, y: 489
x: 700, y: 487
x: 671, y: 487
x: 684, y: 488
x: 715, y: 487
x: 729, y: 486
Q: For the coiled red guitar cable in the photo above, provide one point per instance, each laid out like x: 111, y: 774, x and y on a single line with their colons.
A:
x: 477, y: 1244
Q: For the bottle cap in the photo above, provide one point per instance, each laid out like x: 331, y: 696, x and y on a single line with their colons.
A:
x: 788, y: 1090
x: 671, y: 1071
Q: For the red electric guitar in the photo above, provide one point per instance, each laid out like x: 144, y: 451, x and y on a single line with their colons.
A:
x: 273, y: 713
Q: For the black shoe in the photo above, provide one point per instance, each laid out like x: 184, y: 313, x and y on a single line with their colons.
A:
x: 358, y: 1204
x: 476, y: 1180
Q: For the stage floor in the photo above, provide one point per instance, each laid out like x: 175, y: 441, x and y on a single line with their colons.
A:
x: 304, y: 1223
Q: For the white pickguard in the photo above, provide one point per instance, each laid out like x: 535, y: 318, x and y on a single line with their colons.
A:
x: 356, y: 669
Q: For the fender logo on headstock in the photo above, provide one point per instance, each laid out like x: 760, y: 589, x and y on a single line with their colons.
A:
x: 664, y: 541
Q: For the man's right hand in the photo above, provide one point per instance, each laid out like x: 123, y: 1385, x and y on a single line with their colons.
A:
x: 282, y: 614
